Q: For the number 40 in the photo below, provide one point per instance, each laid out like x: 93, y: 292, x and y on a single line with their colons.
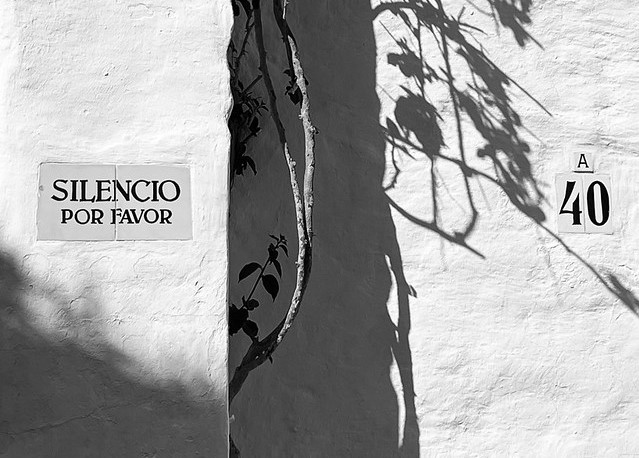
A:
x: 585, y: 203
x: 576, y: 212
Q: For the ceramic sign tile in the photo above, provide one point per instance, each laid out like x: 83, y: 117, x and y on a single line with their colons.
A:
x: 109, y: 202
x: 74, y: 203
x: 570, y: 202
x: 598, y: 204
x: 584, y: 203
x: 583, y: 162
x: 156, y: 204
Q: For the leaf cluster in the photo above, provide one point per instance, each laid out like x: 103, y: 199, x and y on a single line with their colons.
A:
x: 248, y: 107
x: 239, y: 316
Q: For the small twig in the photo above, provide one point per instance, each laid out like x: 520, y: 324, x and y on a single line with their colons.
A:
x: 279, y: 12
x: 259, y: 277
x: 247, y: 33
x: 455, y: 99
x: 253, y: 83
x: 248, y: 137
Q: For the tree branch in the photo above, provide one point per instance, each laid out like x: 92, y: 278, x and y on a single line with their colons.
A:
x: 309, y: 172
x: 260, y: 351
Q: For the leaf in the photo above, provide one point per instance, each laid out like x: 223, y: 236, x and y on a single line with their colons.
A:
x: 237, y: 318
x: 272, y: 252
x: 278, y: 267
x: 393, y: 130
x: 404, y: 16
x: 246, y: 5
x: 251, y: 304
x: 408, y: 63
x: 251, y: 164
x: 255, y: 126
x: 248, y: 270
x: 295, y: 96
x: 271, y: 285
x: 285, y: 250
x: 251, y: 329
x: 237, y: 111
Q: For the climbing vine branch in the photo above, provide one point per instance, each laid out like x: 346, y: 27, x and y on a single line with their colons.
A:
x: 261, y: 350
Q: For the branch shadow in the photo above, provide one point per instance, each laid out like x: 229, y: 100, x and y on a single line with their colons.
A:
x: 330, y: 390
x: 64, y: 398
x: 485, y: 101
x: 484, y: 105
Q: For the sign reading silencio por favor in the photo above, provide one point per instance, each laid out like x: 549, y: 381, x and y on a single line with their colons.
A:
x: 114, y: 202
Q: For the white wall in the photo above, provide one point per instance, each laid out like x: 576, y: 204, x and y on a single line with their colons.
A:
x: 491, y: 339
x: 113, y: 348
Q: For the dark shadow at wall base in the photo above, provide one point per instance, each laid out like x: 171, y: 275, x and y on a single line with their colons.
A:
x: 59, y: 401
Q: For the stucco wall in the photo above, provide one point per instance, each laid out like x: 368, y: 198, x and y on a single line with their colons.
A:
x: 113, y: 349
x: 445, y: 315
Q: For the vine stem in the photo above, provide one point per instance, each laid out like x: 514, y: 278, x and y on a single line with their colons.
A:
x: 260, y: 351
x: 267, y: 263
x: 304, y: 269
x: 253, y: 83
x: 247, y: 32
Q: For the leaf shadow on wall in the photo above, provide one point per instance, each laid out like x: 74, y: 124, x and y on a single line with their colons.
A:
x: 486, y: 100
x: 416, y: 131
x: 329, y: 391
x: 61, y: 396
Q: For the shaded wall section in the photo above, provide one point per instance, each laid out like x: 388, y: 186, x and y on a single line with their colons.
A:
x: 113, y: 348
x: 445, y: 314
x: 329, y: 391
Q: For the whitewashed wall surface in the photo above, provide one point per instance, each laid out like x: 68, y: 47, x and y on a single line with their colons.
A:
x: 447, y: 315
x: 113, y: 348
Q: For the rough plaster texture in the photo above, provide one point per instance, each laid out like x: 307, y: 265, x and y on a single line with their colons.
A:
x: 113, y: 349
x: 427, y: 332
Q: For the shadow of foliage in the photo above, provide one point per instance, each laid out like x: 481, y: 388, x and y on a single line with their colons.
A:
x: 60, y: 398
x: 329, y: 390
x: 485, y: 100
x: 439, y: 53
x: 627, y: 297
x: 481, y: 95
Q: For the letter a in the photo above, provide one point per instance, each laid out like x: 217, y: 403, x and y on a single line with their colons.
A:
x: 582, y: 160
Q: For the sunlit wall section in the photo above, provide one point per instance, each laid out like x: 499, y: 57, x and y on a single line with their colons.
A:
x: 113, y: 347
